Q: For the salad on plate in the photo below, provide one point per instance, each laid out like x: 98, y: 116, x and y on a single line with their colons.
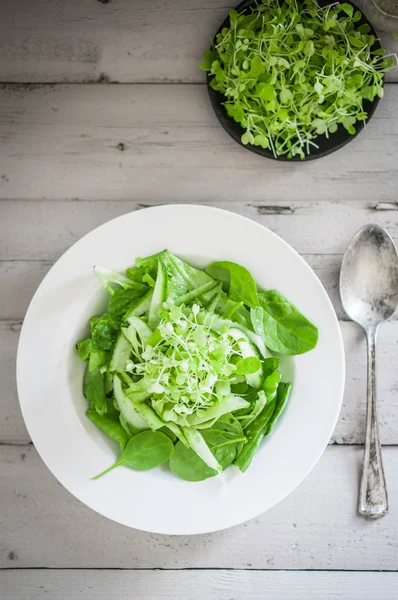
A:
x: 184, y: 365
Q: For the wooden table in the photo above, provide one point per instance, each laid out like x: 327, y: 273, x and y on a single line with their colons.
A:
x: 103, y: 111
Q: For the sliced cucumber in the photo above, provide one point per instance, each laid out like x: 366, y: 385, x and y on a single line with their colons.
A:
x: 158, y: 297
x: 138, y: 391
x: 216, y: 323
x: 131, y: 336
x: 196, y: 293
x: 130, y: 414
x: 141, y: 328
x: 177, y: 432
x: 247, y: 349
x: 140, y: 307
x: 227, y: 405
x: 120, y: 355
x: 150, y: 417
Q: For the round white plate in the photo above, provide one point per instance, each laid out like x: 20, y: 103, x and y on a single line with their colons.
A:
x: 49, y: 374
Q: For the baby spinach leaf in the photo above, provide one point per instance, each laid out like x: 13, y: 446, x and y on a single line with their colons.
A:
x: 255, y: 433
x: 186, y: 464
x: 282, y: 326
x: 272, y: 376
x: 236, y: 280
x: 224, y: 439
x: 144, y: 451
x: 111, y: 426
x: 281, y: 401
x: 94, y: 390
x: 247, y: 366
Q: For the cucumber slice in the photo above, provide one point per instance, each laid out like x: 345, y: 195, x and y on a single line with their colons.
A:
x: 247, y: 349
x: 158, y: 297
x: 228, y: 404
x: 138, y: 391
x: 120, y: 355
x: 130, y: 414
x: 149, y: 416
x: 140, y: 307
x: 143, y: 330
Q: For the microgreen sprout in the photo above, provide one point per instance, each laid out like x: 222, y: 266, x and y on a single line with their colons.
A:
x: 291, y: 71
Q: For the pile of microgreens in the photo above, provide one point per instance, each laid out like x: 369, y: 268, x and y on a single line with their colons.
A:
x: 187, y: 365
x: 291, y: 71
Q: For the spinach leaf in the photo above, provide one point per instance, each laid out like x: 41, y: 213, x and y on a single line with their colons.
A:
x: 111, y: 426
x: 144, y: 451
x: 224, y: 440
x: 94, y: 390
x: 272, y: 376
x: 255, y: 433
x: 186, y: 464
x: 248, y: 366
x: 242, y: 316
x: 282, y: 326
x: 236, y: 280
x: 281, y: 401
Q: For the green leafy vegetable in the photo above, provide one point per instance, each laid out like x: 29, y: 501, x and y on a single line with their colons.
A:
x: 223, y: 440
x: 178, y: 368
x: 111, y: 426
x: 236, y: 280
x: 283, y: 327
x: 292, y: 71
x: 255, y: 433
x: 94, y: 390
x: 144, y: 451
x: 281, y: 400
x: 248, y: 366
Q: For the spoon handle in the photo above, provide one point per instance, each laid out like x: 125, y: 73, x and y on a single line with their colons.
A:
x: 373, y: 501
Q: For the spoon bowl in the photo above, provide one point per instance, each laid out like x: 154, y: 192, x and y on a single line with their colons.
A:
x: 369, y: 277
x: 369, y: 294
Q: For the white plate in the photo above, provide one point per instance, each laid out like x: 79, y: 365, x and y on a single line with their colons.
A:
x: 49, y: 374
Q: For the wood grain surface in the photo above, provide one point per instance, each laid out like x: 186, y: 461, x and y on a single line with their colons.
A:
x: 195, y: 585
x: 78, y: 153
x: 116, y: 40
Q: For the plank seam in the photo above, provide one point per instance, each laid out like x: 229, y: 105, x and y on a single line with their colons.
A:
x: 196, y: 569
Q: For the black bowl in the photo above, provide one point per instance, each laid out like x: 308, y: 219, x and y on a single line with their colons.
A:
x: 326, y: 145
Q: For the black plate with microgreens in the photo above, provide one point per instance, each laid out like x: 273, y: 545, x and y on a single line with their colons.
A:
x: 295, y: 80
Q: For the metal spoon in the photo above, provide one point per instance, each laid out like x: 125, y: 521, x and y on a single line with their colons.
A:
x: 369, y: 293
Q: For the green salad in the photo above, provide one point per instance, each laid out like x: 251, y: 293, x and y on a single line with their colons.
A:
x: 184, y: 364
x: 292, y: 70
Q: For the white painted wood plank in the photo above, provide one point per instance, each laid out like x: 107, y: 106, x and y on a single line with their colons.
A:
x: 124, y: 41
x: 145, y: 143
x: 42, y: 230
x: 316, y: 527
x: 12, y: 426
x: 195, y: 585
x: 350, y: 427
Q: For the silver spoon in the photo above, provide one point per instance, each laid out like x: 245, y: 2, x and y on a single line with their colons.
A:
x: 369, y: 293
